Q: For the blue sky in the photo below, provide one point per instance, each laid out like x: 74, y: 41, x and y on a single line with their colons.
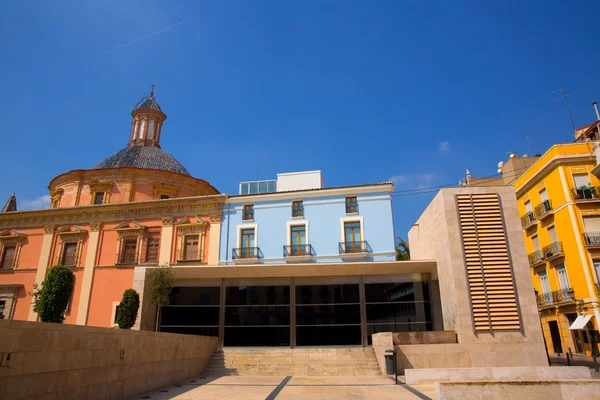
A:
x: 365, y: 91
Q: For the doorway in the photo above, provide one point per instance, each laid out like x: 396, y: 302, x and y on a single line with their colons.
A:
x: 555, y: 335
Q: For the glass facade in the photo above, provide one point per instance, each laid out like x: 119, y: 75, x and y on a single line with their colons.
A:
x: 258, y: 187
x: 308, y: 315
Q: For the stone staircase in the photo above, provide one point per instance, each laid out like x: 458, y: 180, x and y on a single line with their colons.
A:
x: 300, y: 362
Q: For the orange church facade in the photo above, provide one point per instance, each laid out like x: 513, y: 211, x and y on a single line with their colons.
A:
x: 138, y: 207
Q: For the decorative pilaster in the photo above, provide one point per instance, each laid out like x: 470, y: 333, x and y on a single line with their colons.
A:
x: 43, y: 263
x: 166, y: 241
x: 88, y: 273
x: 214, y: 239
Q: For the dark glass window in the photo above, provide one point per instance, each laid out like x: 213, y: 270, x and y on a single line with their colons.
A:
x: 351, y: 205
x: 257, y: 336
x: 257, y: 295
x: 129, y: 251
x: 327, y: 294
x: 395, y: 292
x: 248, y: 213
x: 202, y: 331
x: 98, y: 197
x: 328, y: 314
x: 328, y: 335
x: 297, y: 208
x: 190, y: 251
x: 164, y: 196
x: 195, y: 316
x: 206, y: 296
x: 257, y: 315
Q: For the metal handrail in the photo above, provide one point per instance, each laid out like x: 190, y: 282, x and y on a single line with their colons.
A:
x: 553, y: 249
x: 591, y: 238
x: 527, y: 219
x: 354, y: 247
x: 543, y: 208
x: 535, y: 257
x: 240, y: 253
x: 555, y: 297
x: 585, y: 193
x: 295, y: 250
x: 183, y: 257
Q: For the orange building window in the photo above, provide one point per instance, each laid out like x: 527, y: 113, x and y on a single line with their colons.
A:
x: 69, y: 256
x: 152, y: 249
x: 8, y: 257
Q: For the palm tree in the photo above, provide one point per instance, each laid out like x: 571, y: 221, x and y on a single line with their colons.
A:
x: 402, y: 250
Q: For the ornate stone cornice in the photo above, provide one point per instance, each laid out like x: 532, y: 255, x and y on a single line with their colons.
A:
x: 216, y: 218
x: 165, y: 209
x: 95, y: 226
x: 169, y: 221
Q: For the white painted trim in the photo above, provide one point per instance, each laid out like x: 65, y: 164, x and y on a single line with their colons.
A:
x: 238, y: 242
x: 296, y: 222
x: 307, y: 194
x: 310, y: 203
x: 353, y: 218
x: 114, y: 314
x: 283, y: 260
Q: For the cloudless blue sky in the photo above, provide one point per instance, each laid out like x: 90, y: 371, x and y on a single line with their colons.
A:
x: 366, y: 91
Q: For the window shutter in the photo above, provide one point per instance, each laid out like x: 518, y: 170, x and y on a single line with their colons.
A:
x: 591, y: 224
x: 489, y: 272
x: 581, y: 180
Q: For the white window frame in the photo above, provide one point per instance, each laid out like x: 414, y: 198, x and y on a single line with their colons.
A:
x: 354, y: 218
x: 564, y: 265
x: 296, y: 222
x: 239, y: 234
x: 114, y: 313
x: 541, y: 283
x: 555, y: 232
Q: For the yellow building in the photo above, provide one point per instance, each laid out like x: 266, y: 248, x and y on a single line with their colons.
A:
x: 559, y: 204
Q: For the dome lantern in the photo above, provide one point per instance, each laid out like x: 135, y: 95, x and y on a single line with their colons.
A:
x: 147, y: 121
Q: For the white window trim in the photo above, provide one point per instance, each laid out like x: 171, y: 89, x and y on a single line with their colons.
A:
x: 564, y: 264
x: 114, y: 313
x: 239, y: 234
x: 358, y: 218
x: 297, y: 222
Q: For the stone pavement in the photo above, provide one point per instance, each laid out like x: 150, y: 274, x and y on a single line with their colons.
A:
x: 294, y: 387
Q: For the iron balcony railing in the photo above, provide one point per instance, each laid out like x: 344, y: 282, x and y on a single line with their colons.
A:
x: 536, y: 257
x: 246, y: 252
x: 555, y: 297
x: 126, y: 259
x: 296, y: 250
x: 591, y: 238
x: 354, y: 247
x: 189, y: 256
x: 543, y: 209
x: 585, y: 193
x: 552, y: 250
x: 598, y: 288
x: 527, y: 219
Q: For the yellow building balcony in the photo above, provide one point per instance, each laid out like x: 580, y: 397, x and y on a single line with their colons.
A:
x: 543, y: 210
x: 528, y: 220
x: 586, y: 194
x: 553, y: 251
x: 556, y: 298
x: 536, y: 258
x: 591, y: 240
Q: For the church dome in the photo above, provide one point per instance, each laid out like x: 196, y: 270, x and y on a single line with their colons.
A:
x: 140, y: 156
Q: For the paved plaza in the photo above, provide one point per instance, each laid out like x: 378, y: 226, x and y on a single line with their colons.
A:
x: 294, y: 387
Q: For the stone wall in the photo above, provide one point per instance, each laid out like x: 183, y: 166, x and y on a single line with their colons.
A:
x: 43, y: 360
x: 382, y: 342
x: 549, y: 389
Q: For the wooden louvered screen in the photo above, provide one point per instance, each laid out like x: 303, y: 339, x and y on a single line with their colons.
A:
x: 489, y: 272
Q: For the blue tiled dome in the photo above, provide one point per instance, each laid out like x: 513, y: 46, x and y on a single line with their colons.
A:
x: 143, y: 157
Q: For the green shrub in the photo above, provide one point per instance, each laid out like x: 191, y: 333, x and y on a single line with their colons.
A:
x: 51, y: 300
x: 127, y: 309
x: 161, y: 282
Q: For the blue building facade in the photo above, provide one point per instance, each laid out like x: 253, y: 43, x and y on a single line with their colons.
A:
x: 341, y: 224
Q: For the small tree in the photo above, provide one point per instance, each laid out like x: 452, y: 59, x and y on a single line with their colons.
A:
x: 402, y: 250
x: 127, y: 310
x: 161, y: 283
x: 51, y: 300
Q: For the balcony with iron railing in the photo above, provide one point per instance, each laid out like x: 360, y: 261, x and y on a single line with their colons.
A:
x: 553, y: 251
x: 597, y: 288
x: 556, y: 297
x: 190, y: 256
x: 298, y: 250
x: 528, y: 220
x: 543, y: 210
x: 126, y: 258
x: 246, y: 254
x: 354, y: 249
x: 536, y: 258
x: 586, y: 194
x: 591, y: 239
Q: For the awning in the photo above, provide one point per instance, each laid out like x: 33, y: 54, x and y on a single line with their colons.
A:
x: 581, y: 321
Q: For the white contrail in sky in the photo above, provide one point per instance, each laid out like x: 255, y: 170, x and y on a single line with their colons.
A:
x: 140, y: 39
